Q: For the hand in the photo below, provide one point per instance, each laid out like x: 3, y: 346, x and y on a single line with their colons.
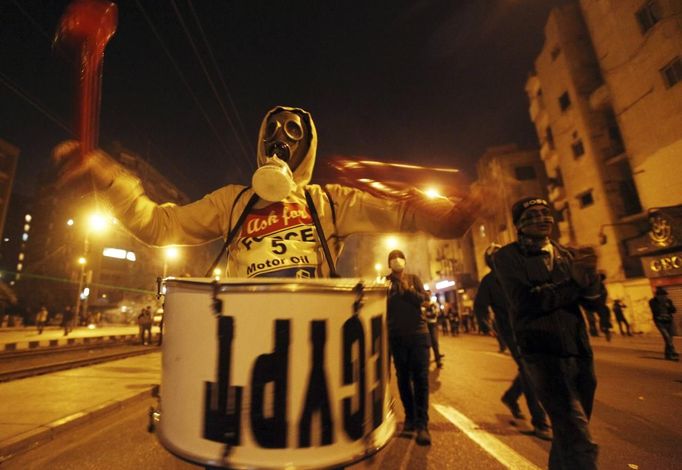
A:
x: 584, y: 268
x: 93, y: 172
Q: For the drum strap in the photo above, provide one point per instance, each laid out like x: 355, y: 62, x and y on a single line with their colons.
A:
x: 233, y: 232
x: 320, y: 232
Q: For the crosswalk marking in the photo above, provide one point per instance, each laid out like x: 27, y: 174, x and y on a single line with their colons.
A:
x: 500, y: 451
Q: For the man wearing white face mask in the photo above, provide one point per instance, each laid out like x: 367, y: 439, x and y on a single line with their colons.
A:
x: 409, y: 338
x: 270, y: 228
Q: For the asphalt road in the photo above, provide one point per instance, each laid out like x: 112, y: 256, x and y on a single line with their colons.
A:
x: 636, y: 420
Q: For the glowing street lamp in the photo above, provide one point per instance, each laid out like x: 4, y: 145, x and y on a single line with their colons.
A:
x: 170, y: 253
x: 391, y: 242
x: 96, y: 223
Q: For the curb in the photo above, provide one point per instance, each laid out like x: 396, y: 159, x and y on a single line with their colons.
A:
x: 47, y: 432
x: 55, y: 343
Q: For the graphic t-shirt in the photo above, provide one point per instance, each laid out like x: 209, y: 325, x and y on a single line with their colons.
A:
x: 278, y: 240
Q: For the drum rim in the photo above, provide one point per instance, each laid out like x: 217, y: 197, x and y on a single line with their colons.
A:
x: 358, y: 457
x: 278, y: 284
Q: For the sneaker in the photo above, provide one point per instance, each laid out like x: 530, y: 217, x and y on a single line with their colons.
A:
x: 513, y: 408
x: 408, y: 427
x: 542, y: 432
x: 423, y: 437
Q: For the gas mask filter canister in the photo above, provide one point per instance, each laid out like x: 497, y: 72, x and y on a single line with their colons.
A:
x: 274, y: 180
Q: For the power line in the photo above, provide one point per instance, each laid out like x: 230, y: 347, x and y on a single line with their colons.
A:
x: 185, y: 82
x: 220, y: 76
x: 34, y: 102
x: 248, y: 159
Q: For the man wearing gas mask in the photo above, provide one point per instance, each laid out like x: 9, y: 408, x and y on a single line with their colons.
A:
x: 281, y: 225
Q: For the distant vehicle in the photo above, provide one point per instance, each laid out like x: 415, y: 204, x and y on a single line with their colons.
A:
x: 158, y: 317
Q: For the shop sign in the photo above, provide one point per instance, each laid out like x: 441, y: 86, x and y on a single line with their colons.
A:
x: 669, y: 264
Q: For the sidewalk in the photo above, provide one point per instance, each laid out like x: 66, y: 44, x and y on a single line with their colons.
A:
x: 652, y: 342
x: 35, y: 409
x: 12, y: 339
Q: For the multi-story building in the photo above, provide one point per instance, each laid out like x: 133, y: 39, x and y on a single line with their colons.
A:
x: 607, y: 114
x: 9, y: 155
x: 69, y: 261
x: 514, y: 173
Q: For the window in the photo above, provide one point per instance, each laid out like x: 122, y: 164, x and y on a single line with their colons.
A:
x: 585, y: 199
x: 555, y: 53
x: 672, y: 73
x: 648, y: 15
x: 564, y: 101
x: 578, y: 148
x: 524, y: 173
x: 549, y: 137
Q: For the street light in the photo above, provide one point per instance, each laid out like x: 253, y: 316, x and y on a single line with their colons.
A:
x: 391, y: 242
x: 97, y: 223
x: 170, y: 253
x: 378, y: 267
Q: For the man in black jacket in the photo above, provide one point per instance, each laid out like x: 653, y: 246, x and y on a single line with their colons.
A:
x: 490, y: 295
x: 662, y: 309
x: 545, y: 284
x: 409, y: 339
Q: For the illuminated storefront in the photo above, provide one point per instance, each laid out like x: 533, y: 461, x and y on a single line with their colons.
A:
x: 660, y: 250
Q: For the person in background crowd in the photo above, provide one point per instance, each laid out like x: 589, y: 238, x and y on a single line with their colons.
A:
x: 41, y: 319
x: 490, y: 295
x: 67, y: 320
x: 618, y: 307
x: 431, y: 310
x: 465, y: 314
x: 453, y: 315
x: 603, y: 309
x: 545, y: 285
x: 663, y: 309
x: 409, y: 340
x: 444, y: 319
x: 144, y: 321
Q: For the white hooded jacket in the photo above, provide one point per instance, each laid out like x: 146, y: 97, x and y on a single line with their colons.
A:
x: 277, y: 238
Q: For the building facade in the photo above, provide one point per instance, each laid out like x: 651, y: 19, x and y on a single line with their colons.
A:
x: 607, y: 112
x: 97, y: 268
x: 514, y: 173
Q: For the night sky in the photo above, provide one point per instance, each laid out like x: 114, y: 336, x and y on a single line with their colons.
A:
x: 432, y: 81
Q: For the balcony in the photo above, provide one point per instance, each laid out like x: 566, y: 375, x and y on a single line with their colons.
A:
x: 546, y: 151
x: 600, y: 98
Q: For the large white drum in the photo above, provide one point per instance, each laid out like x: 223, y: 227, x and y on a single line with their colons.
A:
x: 291, y: 373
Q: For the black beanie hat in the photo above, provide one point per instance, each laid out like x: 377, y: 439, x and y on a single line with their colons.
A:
x: 523, y: 204
x: 395, y: 254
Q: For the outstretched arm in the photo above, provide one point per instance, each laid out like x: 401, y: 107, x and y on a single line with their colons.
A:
x: 157, y: 224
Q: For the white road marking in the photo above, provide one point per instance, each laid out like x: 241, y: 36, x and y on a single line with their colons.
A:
x: 500, y: 451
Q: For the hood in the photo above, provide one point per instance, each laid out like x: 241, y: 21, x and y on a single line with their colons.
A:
x: 304, y: 172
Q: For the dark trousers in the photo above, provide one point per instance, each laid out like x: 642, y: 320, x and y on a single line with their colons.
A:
x: 521, y: 383
x: 666, y: 329
x: 433, y: 331
x: 412, y: 372
x: 592, y: 322
x: 622, y: 321
x: 565, y: 387
x: 145, y: 334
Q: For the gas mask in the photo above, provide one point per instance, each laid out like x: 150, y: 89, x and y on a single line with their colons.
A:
x: 284, y: 146
x: 397, y: 264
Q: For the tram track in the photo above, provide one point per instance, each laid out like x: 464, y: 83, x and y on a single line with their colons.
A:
x: 19, y: 365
